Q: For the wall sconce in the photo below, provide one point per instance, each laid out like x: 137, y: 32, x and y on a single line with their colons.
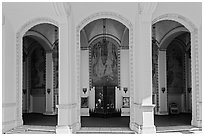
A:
x: 125, y: 89
x: 189, y: 90
x: 48, y: 91
x: 84, y: 90
x: 163, y: 89
x: 24, y: 91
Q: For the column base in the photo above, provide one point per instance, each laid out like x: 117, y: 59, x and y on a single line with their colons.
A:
x: 196, y: 123
x: 142, y: 129
x: 19, y: 122
x: 63, y: 130
x: 135, y: 127
x: 162, y: 113
x: 148, y: 130
x: 49, y: 113
x: 76, y: 127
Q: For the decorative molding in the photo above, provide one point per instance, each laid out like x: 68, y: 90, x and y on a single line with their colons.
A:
x: 155, y: 75
x: 84, y: 48
x: 178, y: 18
x: 124, y: 47
x: 67, y: 106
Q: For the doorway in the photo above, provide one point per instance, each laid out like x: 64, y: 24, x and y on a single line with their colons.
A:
x: 102, y: 45
x: 40, y: 76
x: 172, y: 76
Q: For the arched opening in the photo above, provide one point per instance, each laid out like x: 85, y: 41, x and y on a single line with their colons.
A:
x: 172, y: 76
x: 40, y: 75
x: 105, y: 96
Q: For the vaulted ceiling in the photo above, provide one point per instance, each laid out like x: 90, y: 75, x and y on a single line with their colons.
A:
x: 45, y: 34
x: 166, y: 31
x: 104, y: 26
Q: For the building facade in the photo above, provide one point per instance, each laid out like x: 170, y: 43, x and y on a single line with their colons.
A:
x: 78, y: 59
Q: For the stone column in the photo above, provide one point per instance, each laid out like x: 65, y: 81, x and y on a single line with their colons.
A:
x: 49, y: 84
x: 64, y: 107
x: 67, y: 101
x: 143, y: 116
x: 163, y: 110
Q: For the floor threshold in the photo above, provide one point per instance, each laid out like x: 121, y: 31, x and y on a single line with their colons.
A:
x: 105, y: 130
x: 179, y: 130
x: 42, y: 130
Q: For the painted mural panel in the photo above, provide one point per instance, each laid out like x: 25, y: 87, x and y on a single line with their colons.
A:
x: 38, y: 68
x: 175, y: 68
x: 104, y: 64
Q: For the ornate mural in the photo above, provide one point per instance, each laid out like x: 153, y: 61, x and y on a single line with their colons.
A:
x: 38, y: 68
x: 175, y: 67
x: 104, y: 64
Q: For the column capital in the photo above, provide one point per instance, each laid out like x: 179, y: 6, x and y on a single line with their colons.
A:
x: 160, y: 50
x: 144, y: 106
x: 49, y: 51
x: 67, y: 106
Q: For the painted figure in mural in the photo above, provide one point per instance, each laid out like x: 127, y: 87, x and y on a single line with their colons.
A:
x: 175, y: 68
x: 99, y: 69
x: 104, y: 64
x: 109, y: 62
x: 38, y: 65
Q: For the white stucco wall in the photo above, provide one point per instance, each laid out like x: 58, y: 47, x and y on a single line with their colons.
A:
x: 9, y: 76
x: 181, y: 8
x: 18, y: 14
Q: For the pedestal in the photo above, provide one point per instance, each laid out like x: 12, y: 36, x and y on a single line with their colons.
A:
x: 63, y: 130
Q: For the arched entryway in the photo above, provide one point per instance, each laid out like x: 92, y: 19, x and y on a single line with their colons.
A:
x: 104, y: 88
x: 40, y: 75
x: 172, y: 76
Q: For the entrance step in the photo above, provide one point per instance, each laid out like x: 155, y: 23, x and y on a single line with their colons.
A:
x: 105, y: 130
x: 181, y: 129
x: 30, y: 129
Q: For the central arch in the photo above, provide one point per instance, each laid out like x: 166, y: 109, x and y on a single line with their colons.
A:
x: 82, y: 24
